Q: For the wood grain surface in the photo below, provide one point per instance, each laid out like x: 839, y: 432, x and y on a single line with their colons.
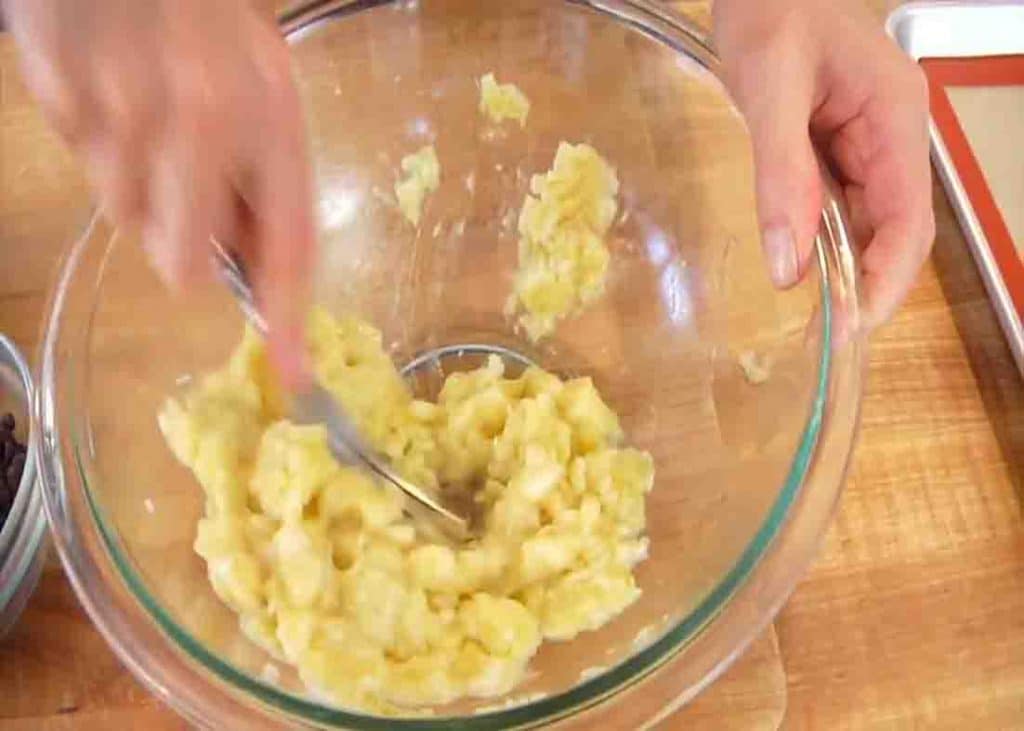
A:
x: 912, y: 616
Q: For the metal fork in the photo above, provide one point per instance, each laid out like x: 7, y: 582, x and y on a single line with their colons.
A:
x: 315, y: 405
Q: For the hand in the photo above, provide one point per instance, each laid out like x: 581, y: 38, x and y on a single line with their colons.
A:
x: 803, y: 70
x: 189, y: 123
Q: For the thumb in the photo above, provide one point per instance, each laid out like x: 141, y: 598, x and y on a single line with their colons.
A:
x: 777, y: 108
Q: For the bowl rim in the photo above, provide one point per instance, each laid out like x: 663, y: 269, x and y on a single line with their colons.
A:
x: 22, y: 534
x: 680, y: 35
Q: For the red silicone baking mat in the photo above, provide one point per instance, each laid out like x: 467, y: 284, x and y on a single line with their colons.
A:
x: 977, y: 105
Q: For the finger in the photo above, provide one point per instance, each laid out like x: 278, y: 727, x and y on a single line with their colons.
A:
x: 172, y: 228
x: 890, y: 265
x: 119, y: 170
x: 189, y: 185
x: 70, y: 107
x: 860, y: 224
x: 283, y: 215
x: 119, y: 158
x: 849, y: 149
x: 902, y: 238
x: 53, y: 68
x: 899, y: 246
x: 896, y: 199
x: 777, y: 106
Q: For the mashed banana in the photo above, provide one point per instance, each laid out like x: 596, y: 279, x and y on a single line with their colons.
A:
x: 499, y: 102
x: 421, y: 174
x: 563, y: 259
x: 327, y: 573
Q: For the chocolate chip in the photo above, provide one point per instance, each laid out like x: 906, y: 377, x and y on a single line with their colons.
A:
x: 12, y: 464
x: 14, y: 470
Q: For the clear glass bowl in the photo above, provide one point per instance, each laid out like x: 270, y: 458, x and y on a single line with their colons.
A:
x: 737, y: 389
x: 23, y: 534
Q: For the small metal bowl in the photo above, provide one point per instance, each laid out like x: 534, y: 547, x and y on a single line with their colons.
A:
x: 22, y: 536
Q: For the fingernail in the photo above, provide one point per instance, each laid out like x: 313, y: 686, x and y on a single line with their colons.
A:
x: 161, y: 257
x: 780, y: 251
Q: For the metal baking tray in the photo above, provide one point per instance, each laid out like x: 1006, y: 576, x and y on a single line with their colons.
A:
x: 971, y: 30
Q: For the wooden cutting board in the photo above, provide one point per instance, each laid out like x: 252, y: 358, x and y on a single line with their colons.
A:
x: 912, y: 616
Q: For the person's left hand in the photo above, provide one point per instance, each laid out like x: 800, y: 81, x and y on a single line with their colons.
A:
x: 804, y: 71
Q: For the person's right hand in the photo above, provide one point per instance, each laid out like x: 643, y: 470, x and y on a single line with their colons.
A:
x: 189, y: 123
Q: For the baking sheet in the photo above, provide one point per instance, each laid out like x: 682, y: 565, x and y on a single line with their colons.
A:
x: 973, y: 55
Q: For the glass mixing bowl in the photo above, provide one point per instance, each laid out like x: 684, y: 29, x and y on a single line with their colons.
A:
x: 737, y: 389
